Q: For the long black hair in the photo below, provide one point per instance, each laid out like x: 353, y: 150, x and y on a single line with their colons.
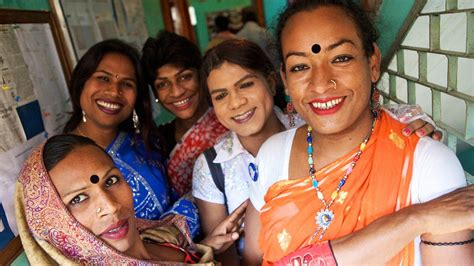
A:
x: 87, y: 65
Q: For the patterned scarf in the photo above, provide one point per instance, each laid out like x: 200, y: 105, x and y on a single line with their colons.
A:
x: 50, y: 234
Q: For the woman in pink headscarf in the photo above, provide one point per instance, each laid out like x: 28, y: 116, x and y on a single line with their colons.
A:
x: 73, y: 206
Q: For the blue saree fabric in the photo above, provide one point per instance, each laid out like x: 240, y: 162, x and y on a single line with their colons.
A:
x: 145, y: 172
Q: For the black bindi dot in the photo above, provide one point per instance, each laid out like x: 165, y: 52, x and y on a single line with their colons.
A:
x: 94, y: 179
x: 316, y: 48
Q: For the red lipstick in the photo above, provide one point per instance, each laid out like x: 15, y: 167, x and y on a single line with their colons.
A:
x: 326, y: 106
x: 116, y: 231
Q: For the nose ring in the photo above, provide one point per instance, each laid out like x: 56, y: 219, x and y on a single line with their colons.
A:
x: 333, y: 83
x: 98, y: 210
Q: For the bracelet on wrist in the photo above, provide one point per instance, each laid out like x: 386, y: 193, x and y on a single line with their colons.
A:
x: 460, y: 243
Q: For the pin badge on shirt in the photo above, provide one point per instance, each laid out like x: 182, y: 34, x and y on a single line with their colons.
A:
x: 253, y: 172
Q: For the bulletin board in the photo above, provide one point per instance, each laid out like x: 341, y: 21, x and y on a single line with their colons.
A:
x: 88, y: 22
x: 34, y: 102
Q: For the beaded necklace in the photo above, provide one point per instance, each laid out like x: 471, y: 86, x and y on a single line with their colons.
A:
x: 325, y: 216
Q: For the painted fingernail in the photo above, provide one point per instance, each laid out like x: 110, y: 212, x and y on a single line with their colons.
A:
x: 421, y: 132
x: 406, y: 131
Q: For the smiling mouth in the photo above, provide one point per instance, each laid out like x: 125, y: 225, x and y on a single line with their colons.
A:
x: 242, y: 118
x: 182, y: 102
x: 327, y: 105
x: 116, y: 231
x: 109, y: 107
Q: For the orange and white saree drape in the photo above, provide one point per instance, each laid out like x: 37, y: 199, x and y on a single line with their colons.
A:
x: 378, y: 185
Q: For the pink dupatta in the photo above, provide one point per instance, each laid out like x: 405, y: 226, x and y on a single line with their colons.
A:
x: 200, y: 137
x: 41, y: 210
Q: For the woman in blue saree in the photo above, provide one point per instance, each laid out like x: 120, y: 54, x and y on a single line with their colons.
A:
x: 104, y: 87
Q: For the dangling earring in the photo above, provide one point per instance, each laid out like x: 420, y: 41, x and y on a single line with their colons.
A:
x: 290, y: 111
x: 156, y: 100
x: 136, y: 123
x: 375, y: 101
x: 84, y: 116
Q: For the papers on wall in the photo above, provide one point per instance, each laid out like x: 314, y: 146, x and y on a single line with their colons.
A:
x: 91, y: 21
x: 34, y: 101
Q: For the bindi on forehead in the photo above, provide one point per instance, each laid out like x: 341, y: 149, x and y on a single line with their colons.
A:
x: 94, y: 179
x: 316, y: 48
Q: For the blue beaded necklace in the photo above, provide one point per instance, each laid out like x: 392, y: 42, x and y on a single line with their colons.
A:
x: 325, y: 216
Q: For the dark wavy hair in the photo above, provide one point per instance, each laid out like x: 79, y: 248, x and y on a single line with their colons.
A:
x: 245, y: 54
x: 168, y: 48
x: 84, y: 69
x: 58, y: 147
x: 365, y: 27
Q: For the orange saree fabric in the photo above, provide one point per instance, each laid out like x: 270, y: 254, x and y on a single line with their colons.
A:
x: 378, y: 185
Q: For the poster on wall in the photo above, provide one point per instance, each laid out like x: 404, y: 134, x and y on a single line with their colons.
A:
x: 34, y: 104
x: 91, y: 21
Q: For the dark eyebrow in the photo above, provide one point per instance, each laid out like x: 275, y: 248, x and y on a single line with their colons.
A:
x: 110, y: 74
x: 244, y: 78
x: 339, y: 43
x: 82, y: 188
x: 295, y: 54
x: 217, y: 91
x: 329, y: 48
x: 177, y: 74
x: 235, y: 84
x: 181, y: 71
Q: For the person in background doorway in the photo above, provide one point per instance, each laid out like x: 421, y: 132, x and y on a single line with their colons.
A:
x: 222, y: 31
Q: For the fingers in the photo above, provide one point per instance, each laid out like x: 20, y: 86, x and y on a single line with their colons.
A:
x: 422, y: 129
x: 235, y: 225
x: 425, y: 130
x: 221, y: 242
x: 414, y: 126
x: 237, y: 213
x: 437, y: 135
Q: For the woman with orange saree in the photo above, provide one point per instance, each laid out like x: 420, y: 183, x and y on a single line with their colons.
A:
x: 349, y: 166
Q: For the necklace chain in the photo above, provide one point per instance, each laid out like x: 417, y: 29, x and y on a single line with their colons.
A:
x: 325, y: 216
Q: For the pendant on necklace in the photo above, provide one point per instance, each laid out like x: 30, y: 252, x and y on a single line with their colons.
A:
x: 323, y: 220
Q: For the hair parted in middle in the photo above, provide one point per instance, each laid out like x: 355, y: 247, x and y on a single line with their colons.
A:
x: 243, y: 53
x: 365, y: 27
x: 84, y: 69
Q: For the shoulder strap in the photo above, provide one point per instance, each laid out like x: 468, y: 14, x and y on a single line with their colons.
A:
x: 216, y: 171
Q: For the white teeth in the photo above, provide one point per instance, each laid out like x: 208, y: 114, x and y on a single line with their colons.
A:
x: 115, y: 229
x: 244, y: 115
x: 109, y: 105
x: 327, y: 105
x: 182, y: 102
